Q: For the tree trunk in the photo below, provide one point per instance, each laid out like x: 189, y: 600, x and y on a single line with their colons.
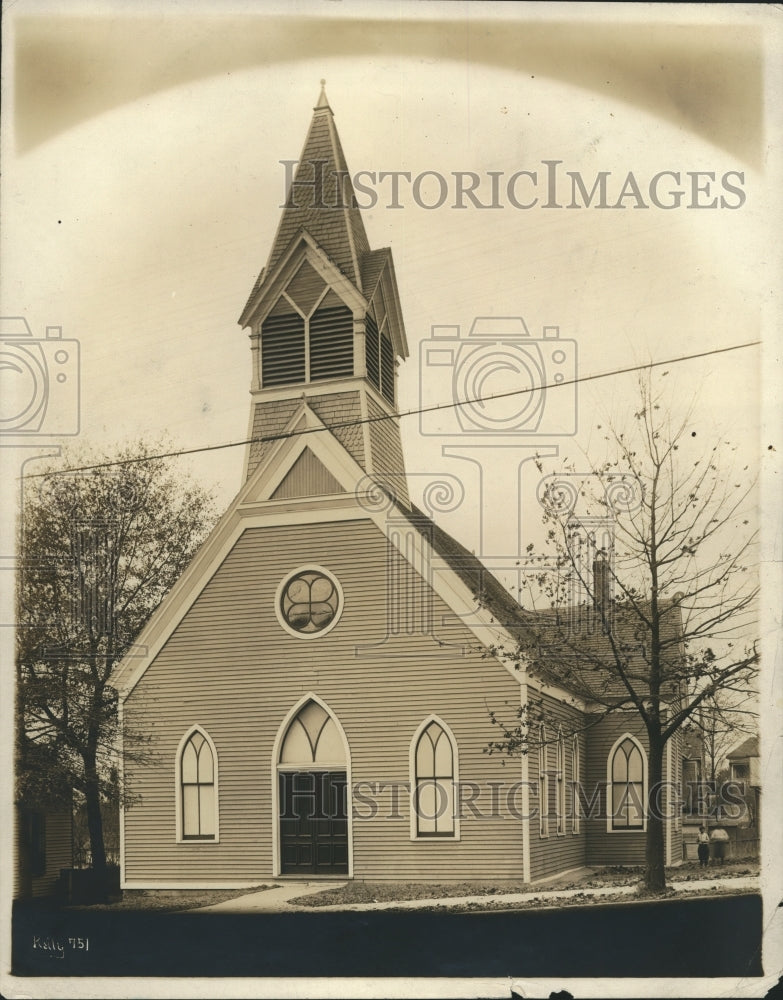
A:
x: 655, y: 873
x: 92, y: 802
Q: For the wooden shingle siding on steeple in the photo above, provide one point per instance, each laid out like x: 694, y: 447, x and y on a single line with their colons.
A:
x: 338, y: 410
x: 334, y: 221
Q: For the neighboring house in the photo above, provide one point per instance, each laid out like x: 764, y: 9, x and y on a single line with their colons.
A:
x: 692, y: 770
x: 316, y: 686
x: 745, y: 762
x: 745, y: 767
x: 42, y: 820
x: 44, y: 846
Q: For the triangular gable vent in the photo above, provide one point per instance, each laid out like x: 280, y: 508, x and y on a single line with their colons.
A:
x: 307, y: 477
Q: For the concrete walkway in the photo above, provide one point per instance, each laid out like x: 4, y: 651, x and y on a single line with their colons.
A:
x: 278, y: 899
x: 269, y: 899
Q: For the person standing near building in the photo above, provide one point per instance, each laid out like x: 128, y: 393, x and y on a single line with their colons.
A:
x: 703, y: 841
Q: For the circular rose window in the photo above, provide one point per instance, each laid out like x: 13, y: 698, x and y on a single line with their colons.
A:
x: 309, y: 602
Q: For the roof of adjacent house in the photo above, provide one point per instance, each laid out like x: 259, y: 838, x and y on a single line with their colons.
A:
x: 748, y: 748
x: 563, y: 666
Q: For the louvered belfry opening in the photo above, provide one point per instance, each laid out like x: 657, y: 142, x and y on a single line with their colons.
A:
x: 308, y: 335
x: 294, y: 349
x: 380, y: 359
x: 331, y: 343
x: 283, y: 349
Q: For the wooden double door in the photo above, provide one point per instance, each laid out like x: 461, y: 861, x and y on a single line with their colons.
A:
x: 313, y: 823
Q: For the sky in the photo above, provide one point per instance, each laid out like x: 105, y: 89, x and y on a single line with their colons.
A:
x: 142, y: 184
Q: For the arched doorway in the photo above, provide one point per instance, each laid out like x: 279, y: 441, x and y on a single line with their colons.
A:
x: 313, y: 798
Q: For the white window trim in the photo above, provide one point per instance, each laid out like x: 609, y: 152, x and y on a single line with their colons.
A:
x: 179, y: 838
x: 276, y: 768
x: 543, y: 782
x: 609, y: 793
x: 308, y: 568
x: 575, y: 779
x: 414, y: 831
x: 561, y: 797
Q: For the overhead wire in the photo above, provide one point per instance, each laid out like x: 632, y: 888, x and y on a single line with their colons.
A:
x: 452, y: 404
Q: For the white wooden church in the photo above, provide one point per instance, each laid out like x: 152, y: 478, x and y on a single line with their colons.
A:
x: 316, y: 685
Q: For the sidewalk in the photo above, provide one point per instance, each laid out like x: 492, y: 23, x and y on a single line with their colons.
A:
x: 278, y: 899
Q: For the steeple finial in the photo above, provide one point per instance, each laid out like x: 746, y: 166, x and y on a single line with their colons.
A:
x: 322, y: 100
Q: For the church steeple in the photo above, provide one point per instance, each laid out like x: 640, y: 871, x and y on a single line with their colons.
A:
x: 324, y: 316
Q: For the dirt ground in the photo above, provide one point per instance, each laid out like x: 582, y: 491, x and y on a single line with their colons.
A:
x: 597, y: 878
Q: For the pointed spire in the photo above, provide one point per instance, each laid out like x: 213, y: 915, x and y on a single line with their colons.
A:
x: 322, y: 201
x: 323, y: 101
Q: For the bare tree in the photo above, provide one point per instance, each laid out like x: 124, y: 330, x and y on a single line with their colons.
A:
x: 100, y: 549
x: 647, y: 597
x: 720, y: 723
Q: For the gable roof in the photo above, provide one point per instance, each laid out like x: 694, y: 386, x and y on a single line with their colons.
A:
x: 528, y: 626
x: 256, y: 506
x: 748, y: 748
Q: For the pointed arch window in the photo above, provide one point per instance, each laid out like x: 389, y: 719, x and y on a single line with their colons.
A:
x: 560, y: 800
x: 626, y: 780
x: 312, y: 738
x: 434, y: 767
x: 197, y: 791
x: 543, y: 783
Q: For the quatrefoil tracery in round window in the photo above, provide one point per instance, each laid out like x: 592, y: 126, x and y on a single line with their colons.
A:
x: 309, y: 602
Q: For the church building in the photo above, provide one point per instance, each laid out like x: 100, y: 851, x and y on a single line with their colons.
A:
x: 317, y: 686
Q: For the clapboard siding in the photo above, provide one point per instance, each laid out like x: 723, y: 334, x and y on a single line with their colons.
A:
x: 307, y: 477
x: 557, y: 852
x: 59, y: 853
x: 230, y: 668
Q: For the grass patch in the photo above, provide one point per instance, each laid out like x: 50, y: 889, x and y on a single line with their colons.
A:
x: 168, y: 900
x: 598, y: 878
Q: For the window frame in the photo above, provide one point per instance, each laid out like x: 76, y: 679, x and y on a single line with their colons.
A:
x: 610, y: 783
x: 543, y: 782
x: 575, y: 784
x: 435, y: 838
x: 181, y: 838
x: 560, y: 786
x: 308, y: 568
